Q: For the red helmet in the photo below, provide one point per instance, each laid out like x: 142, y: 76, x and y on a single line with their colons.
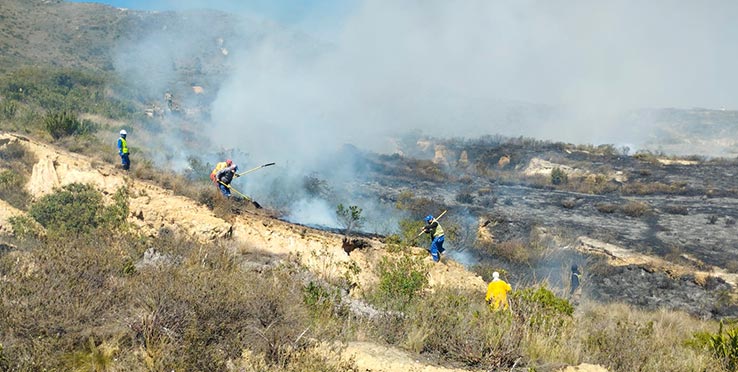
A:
x: 229, y: 162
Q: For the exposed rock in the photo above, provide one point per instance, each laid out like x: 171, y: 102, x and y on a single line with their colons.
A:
x: 377, y: 358
x: 503, y: 162
x: 43, y: 177
x: 677, y: 161
x: 584, y: 367
x: 540, y: 167
x: 484, y: 231
x: 463, y: 159
x: 152, y: 258
x: 441, y: 155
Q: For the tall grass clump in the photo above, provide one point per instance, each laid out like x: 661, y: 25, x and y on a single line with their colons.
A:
x: 622, y: 338
x: 457, y: 325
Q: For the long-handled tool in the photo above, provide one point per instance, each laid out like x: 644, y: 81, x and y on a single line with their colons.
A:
x: 253, y: 202
x: 435, y: 219
x: 255, y: 169
x: 236, y: 191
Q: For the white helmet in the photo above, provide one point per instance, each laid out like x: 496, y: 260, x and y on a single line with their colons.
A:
x: 123, y: 132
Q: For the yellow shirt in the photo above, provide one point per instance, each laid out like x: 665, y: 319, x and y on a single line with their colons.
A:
x: 218, y: 167
x: 497, y: 291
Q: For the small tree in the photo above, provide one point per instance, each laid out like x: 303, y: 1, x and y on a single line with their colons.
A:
x: 558, y: 176
x: 349, y: 218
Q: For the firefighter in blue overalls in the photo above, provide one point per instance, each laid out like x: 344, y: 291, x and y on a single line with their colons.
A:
x: 435, y: 230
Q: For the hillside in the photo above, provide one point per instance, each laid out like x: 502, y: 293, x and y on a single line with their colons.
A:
x: 259, y: 244
x: 153, y: 270
x: 268, y: 241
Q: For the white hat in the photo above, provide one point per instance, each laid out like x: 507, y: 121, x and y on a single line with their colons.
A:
x: 495, y: 275
x: 123, y: 132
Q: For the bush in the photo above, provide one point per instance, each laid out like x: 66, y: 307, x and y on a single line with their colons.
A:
x: 401, y: 280
x: 418, y: 207
x: 349, y: 218
x: 460, y: 326
x: 723, y: 345
x: 541, y: 308
x: 8, y: 109
x: 514, y: 251
x: 676, y: 209
x: 559, y: 177
x: 606, y: 207
x: 465, y: 197
x: 636, y: 209
x: 25, y: 227
x: 409, y: 230
x: 62, y: 124
x: 78, y: 209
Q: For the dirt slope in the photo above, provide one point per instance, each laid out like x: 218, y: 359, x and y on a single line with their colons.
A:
x: 154, y: 208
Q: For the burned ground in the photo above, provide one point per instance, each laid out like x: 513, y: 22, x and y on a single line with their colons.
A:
x: 679, y: 210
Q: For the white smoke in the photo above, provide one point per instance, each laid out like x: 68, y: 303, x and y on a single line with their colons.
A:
x: 463, y: 68
x: 565, y: 71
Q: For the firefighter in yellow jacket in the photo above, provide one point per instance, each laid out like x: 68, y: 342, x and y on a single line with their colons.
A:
x: 497, y: 292
x: 218, y: 167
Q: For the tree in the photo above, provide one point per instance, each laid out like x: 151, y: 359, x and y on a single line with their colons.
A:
x: 558, y: 176
x: 349, y: 218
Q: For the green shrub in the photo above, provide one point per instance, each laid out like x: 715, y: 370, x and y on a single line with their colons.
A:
x: 78, y: 208
x: 318, y: 298
x: 723, y: 345
x: 541, y: 308
x: 401, y: 280
x: 559, y: 177
x: 25, y: 227
x: 409, y: 230
x: 13, y: 151
x: 8, y: 109
x: 349, y: 218
x: 50, y: 89
x: 93, y: 357
x: 62, y: 124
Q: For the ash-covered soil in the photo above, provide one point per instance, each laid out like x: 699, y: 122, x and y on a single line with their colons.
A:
x: 679, y: 211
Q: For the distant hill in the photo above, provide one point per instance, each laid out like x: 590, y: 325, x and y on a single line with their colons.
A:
x: 92, y: 36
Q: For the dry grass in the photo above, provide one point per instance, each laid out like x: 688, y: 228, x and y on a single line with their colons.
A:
x: 195, y: 311
x: 622, y: 338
